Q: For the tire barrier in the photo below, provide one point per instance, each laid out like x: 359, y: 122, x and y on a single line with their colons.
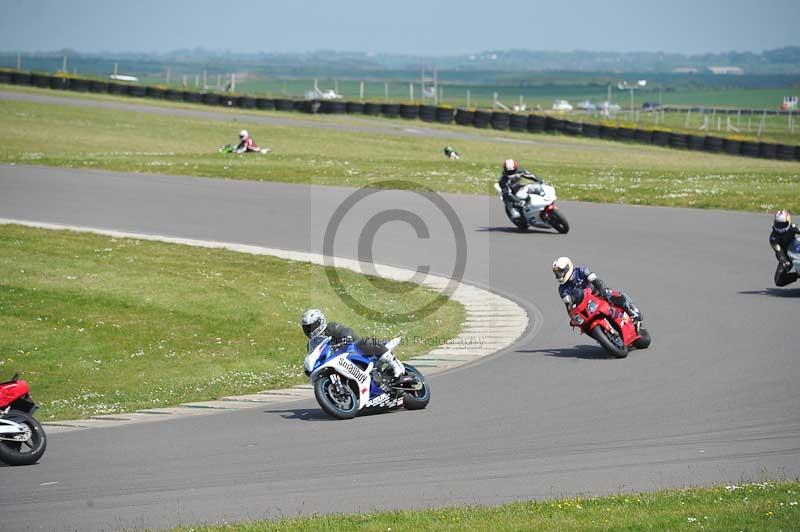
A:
x: 210, y: 98
x: 713, y: 144
x: 533, y: 123
x: 696, y: 142
x: 767, y: 150
x: 137, y: 90
x: 192, y: 96
x: 591, y: 130
x: 645, y: 136
x: 265, y: 103
x: 390, y: 110
x: 481, y: 119
x: 500, y: 120
x: 427, y: 113
x: 155, y: 92
x: 732, y: 147
x: 354, y: 107
x: 21, y: 78
x: 518, y: 123
x: 678, y: 141
x: 625, y: 133
x: 464, y: 117
x: 78, y: 85
x: 445, y: 115
x: 536, y: 123
x: 784, y: 152
x: 282, y: 104
x: 409, y: 111
x: 330, y: 107
x: 372, y: 108
x: 747, y: 148
x: 40, y: 80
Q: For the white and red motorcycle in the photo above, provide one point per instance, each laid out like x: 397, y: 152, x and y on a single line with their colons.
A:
x: 537, y: 207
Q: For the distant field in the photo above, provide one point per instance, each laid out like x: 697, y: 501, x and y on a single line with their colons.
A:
x: 582, y: 169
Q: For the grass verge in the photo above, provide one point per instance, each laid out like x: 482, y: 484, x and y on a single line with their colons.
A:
x: 103, y: 325
x: 582, y: 169
x: 752, y: 507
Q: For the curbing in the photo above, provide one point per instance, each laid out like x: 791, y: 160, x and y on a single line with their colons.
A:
x: 482, y: 334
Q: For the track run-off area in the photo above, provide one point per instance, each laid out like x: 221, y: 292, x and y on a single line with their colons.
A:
x: 714, y: 399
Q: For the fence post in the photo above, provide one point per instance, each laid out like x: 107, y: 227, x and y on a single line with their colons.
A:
x: 19, y: 61
x: 468, y: 98
x: 386, y: 91
x: 411, y: 92
x: 64, y: 64
x: 361, y: 91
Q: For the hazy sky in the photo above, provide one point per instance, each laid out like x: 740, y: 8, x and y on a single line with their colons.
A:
x: 404, y: 26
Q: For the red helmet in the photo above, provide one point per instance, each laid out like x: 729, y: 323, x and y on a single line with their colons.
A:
x: 510, y: 166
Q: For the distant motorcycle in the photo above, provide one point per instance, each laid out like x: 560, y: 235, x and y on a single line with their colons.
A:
x: 610, y: 325
x: 538, y: 210
x: 347, y: 382
x: 22, y: 438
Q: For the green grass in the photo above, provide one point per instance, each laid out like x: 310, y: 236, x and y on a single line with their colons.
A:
x: 751, y: 507
x: 582, y: 169
x: 103, y: 325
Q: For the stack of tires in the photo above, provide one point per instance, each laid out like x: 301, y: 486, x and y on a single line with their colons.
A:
x: 767, y: 150
x: 696, y: 142
x: 746, y: 147
x: 464, y: 117
x: 660, y: 138
x: 409, y: 111
x: 21, y: 78
x: 78, y: 85
x: 517, y: 122
x: 714, y: 144
x: 481, y: 119
x: 591, y: 130
x: 625, y: 133
x: 246, y: 102
x: 784, y: 152
x: 536, y: 123
x: 644, y: 136
x: 390, y: 110
x: 282, y: 104
x: 427, y: 113
x: 331, y: 107
x: 500, y: 120
x: 445, y: 115
x: 678, y: 140
x: 733, y: 147
x: 354, y: 108
x: 191, y: 96
x: 40, y: 80
x: 210, y: 98
x: 372, y: 109
x: 265, y: 103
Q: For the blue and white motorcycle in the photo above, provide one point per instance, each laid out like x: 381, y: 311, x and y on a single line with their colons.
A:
x: 347, y: 382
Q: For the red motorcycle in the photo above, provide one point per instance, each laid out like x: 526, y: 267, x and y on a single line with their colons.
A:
x: 22, y: 438
x: 611, y: 326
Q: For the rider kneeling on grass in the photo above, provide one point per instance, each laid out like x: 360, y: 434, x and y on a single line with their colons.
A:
x: 783, y: 234
x: 572, y: 281
x: 317, y: 328
x: 247, y: 144
x: 510, y: 185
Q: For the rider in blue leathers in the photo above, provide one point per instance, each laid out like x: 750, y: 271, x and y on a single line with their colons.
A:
x: 572, y: 282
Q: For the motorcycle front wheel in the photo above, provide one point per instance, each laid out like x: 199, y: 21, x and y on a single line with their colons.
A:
x: 341, y: 403
x: 643, y: 342
x: 559, y: 222
x: 417, y: 399
x: 610, y: 342
x: 26, y: 452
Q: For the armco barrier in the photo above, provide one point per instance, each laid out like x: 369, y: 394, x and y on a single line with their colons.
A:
x: 481, y: 119
x: 464, y: 117
x: 372, y: 108
x: 445, y: 115
x: 500, y: 120
x: 427, y: 113
x: 354, y: 107
x: 409, y: 111
x: 517, y: 122
x: 390, y: 110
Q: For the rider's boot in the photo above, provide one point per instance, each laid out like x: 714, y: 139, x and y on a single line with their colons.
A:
x: 397, y: 368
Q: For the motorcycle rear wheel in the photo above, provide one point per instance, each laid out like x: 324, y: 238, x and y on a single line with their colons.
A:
x: 418, y: 399
x: 616, y: 348
x: 559, y: 222
x: 27, y: 452
x: 339, y: 406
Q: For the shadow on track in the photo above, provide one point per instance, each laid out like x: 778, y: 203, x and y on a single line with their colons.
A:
x: 514, y: 230
x: 774, y: 292
x: 304, y: 414
x: 588, y: 352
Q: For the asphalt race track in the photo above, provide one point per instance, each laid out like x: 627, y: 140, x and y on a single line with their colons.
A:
x: 715, y: 399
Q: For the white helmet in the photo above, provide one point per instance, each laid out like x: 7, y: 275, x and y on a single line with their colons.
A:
x: 562, y: 269
x: 782, y: 221
x: 313, y: 322
x: 243, y: 134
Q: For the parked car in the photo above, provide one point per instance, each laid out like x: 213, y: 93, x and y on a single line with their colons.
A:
x: 650, y: 106
x: 585, y: 105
